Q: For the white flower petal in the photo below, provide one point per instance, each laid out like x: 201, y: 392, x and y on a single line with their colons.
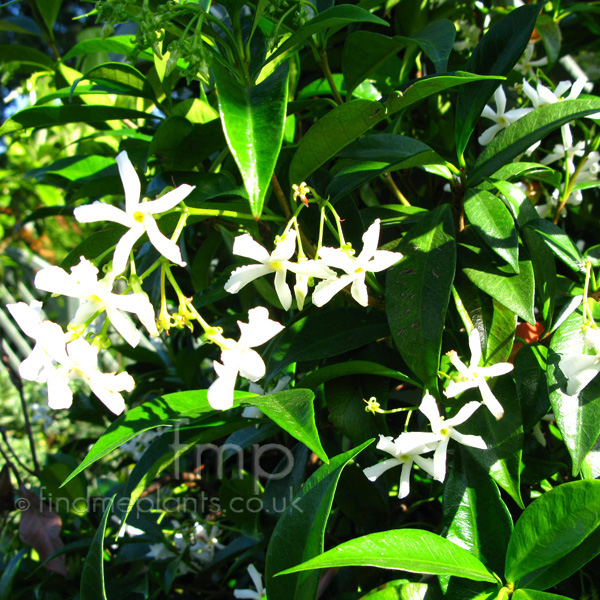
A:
x: 430, y: 409
x: 404, y: 486
x: 124, y: 248
x: 463, y: 414
x: 100, y: 211
x: 131, y: 182
x: 251, y: 366
x: 256, y: 578
x: 439, y: 460
x: 57, y: 281
x: 387, y: 444
x: 382, y: 260
x: 124, y: 326
x: 106, y: 387
x: 139, y: 304
x: 168, y: 248
x: 59, y: 393
x: 474, y: 441
x: 374, y: 472
x: 426, y: 464
x: 490, y: 400
x: 579, y: 369
x: 489, y: 113
x: 36, y: 366
x: 242, y: 276
x: 245, y: 245
x: 259, y: 329
x: 488, y: 135
x: 220, y: 393
x: 500, y: 100
x: 370, y: 240
x: 495, y: 370
x: 458, y: 387
x: 312, y: 268
x: 284, y: 250
x: 337, y: 258
x: 167, y: 201
x: 359, y: 290
x: 283, y: 289
x: 474, y: 347
x: 325, y: 290
x: 28, y: 317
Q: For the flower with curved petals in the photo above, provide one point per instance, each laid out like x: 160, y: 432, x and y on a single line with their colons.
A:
x: 96, y: 295
x: 239, y: 357
x: 499, y: 116
x: 138, y: 216
x: 56, y: 361
x: 444, y: 429
x: 277, y: 262
x: 580, y: 369
x: 526, y: 65
x: 369, y: 260
x: 406, y: 449
x: 260, y: 592
x: 474, y: 375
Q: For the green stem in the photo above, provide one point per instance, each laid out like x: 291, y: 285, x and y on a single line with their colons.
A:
x: 232, y: 214
x: 324, y: 64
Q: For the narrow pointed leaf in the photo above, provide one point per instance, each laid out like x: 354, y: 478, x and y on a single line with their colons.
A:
x: 418, y: 292
x: 412, y: 550
x: 92, y: 575
x: 559, y: 242
x: 293, y: 541
x: 253, y: 119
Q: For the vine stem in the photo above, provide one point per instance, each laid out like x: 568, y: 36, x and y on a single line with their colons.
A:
x: 324, y: 62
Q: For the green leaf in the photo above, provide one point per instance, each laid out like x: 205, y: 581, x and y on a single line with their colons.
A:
x: 504, y: 438
x: 475, y: 515
x: 50, y: 116
x: 532, y: 388
x: 49, y: 10
x: 412, y: 550
x: 578, y: 417
x: 8, y: 575
x: 78, y: 168
x: 401, y: 589
x: 334, y: 17
x: 365, y: 51
x: 292, y: 541
x: 345, y: 123
x: 23, y: 25
x: 494, y: 224
x: 559, y: 242
x: 384, y: 153
x: 496, y: 54
x: 351, y: 367
x: 118, y: 44
x: 525, y: 132
x: 326, y: 333
x: 418, y: 292
x: 253, y: 120
x: 122, y: 78
x: 517, y: 202
x: 552, y: 526
x: 92, y: 575
x: 521, y: 594
x: 515, y: 291
x: 26, y: 56
x: 549, y: 29
x: 292, y: 410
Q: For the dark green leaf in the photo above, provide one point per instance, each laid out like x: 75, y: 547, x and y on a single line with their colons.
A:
x: 549, y: 29
x: 494, y: 224
x: 559, y: 242
x: 25, y: 55
x: 496, y: 54
x: 122, y: 78
x: 522, y: 134
x: 50, y: 116
x: 8, y: 575
x: 23, y: 25
x: 92, y: 575
x: 515, y: 291
x: 535, y: 595
x: 49, y: 10
x: 552, y: 526
x: 253, y: 119
x: 412, y: 550
x: 418, y: 292
x: 578, y: 417
x: 532, y: 388
x: 475, y: 516
x: 293, y: 542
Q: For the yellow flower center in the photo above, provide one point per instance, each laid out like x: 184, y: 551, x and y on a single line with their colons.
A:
x: 275, y: 264
x: 139, y: 216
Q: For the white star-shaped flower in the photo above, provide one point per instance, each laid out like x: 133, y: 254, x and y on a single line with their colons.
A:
x: 542, y: 96
x: 355, y: 267
x: 580, y: 369
x: 500, y: 116
x: 260, y: 592
x: 137, y: 216
x: 474, y: 375
x: 97, y: 295
x: 526, y: 65
x: 445, y: 429
x: 406, y: 449
x: 240, y: 358
x: 56, y: 361
x: 277, y: 262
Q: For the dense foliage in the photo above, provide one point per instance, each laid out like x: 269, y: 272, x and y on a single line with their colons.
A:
x: 256, y: 256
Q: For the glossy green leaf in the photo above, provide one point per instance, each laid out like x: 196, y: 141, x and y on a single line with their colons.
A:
x: 504, y: 438
x: 525, y: 132
x: 122, y: 78
x: 523, y: 594
x: 418, y: 292
x: 92, y: 574
x: 334, y: 17
x: 494, y: 224
x: 49, y: 10
x: 515, y: 291
x: 517, y: 202
x: 293, y: 542
x: 402, y: 589
x: 365, y: 51
x: 532, y: 388
x: 25, y: 55
x: 549, y: 29
x: 496, y: 54
x: 344, y: 124
x: 292, y: 410
x: 475, y: 515
x: 552, y: 526
x: 117, y: 44
x: 51, y: 116
x: 412, y: 550
x: 253, y: 120
x: 77, y: 168
x: 326, y: 333
x: 559, y: 242
x: 578, y: 417
x: 351, y: 367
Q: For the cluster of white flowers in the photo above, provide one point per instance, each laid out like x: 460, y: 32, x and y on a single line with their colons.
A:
x: 409, y: 447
